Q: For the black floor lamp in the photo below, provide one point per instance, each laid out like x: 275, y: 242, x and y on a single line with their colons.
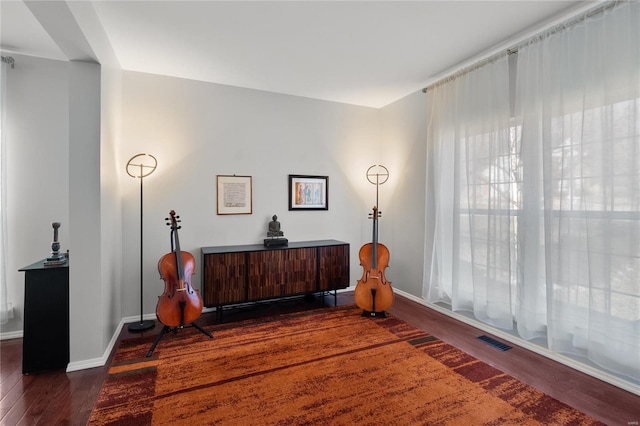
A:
x: 141, y: 166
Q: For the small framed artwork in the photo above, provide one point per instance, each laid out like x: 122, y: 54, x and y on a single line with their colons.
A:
x: 234, y: 194
x: 308, y: 192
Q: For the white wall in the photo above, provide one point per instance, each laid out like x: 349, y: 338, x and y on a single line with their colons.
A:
x: 199, y: 130
x: 37, y: 168
x: 85, y: 267
x: 110, y: 204
x: 53, y: 150
x: 403, y: 141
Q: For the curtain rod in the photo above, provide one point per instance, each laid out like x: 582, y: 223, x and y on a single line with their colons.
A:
x: 9, y: 60
x: 538, y: 37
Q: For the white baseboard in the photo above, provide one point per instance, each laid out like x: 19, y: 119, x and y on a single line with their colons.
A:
x: 11, y: 335
x: 99, y: 362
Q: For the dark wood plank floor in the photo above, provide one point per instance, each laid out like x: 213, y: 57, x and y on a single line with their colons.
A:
x: 60, y: 398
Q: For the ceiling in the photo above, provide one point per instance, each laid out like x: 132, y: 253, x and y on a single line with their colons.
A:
x: 368, y: 53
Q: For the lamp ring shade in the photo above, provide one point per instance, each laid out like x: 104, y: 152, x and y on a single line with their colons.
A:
x: 141, y: 165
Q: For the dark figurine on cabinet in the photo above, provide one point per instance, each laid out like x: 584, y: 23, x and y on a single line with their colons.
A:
x: 275, y: 234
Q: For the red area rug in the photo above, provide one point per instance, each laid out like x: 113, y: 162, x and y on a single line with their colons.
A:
x: 323, y: 367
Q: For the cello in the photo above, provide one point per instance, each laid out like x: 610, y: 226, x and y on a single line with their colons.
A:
x: 179, y: 304
x: 373, y: 293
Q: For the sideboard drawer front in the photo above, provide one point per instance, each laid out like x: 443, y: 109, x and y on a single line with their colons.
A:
x: 267, y: 274
x: 334, y: 267
x: 225, y: 279
x: 301, y: 270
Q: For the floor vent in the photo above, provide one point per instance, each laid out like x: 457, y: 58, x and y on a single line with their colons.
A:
x: 494, y: 343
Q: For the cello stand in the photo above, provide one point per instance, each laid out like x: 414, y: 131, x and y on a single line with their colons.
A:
x: 373, y: 313
x: 166, y: 329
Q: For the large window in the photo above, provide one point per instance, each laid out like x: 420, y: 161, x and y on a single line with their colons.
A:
x: 533, y: 190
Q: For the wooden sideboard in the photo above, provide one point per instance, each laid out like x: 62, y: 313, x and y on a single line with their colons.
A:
x: 250, y: 273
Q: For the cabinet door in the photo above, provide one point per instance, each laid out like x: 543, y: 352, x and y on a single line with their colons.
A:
x: 224, y: 279
x: 334, y: 267
x: 277, y: 273
x: 302, y: 265
x: 45, y: 344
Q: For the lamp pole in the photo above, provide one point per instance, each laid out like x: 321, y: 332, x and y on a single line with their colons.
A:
x: 147, y: 164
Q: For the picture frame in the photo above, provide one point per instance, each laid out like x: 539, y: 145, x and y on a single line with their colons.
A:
x: 308, y: 192
x: 234, y: 194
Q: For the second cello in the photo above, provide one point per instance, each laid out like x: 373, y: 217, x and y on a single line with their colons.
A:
x: 374, y: 294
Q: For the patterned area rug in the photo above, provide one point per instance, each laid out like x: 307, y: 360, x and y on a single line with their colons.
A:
x: 323, y: 367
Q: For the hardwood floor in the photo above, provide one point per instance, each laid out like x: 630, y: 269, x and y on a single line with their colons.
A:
x: 60, y: 398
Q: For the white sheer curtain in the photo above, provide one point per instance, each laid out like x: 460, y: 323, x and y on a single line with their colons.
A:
x: 4, y: 317
x: 469, y: 194
x: 533, y: 212
x: 578, y: 104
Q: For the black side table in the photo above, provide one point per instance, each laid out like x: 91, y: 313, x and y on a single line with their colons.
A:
x: 45, y: 342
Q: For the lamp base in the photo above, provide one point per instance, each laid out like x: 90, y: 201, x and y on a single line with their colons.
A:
x: 142, y: 325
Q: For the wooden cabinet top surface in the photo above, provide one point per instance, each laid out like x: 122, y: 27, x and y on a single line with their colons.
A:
x: 261, y: 247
